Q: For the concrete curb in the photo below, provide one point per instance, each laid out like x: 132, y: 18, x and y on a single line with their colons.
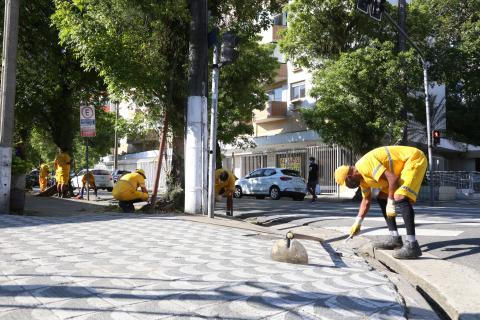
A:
x: 455, y: 288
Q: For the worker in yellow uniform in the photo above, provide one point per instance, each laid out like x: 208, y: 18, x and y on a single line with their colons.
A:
x: 43, y: 176
x: 125, y: 190
x: 398, y: 171
x: 62, y: 172
x: 225, y: 186
x: 91, y: 184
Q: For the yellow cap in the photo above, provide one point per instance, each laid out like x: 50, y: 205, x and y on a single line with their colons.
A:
x: 341, y: 174
x: 141, y: 172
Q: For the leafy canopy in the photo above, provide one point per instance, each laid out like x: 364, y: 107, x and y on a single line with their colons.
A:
x: 359, y: 97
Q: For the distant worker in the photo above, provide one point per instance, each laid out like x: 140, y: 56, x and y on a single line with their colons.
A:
x: 43, y: 176
x: 398, y: 171
x: 225, y: 186
x: 91, y: 184
x: 312, y: 178
x: 62, y: 172
x: 125, y: 190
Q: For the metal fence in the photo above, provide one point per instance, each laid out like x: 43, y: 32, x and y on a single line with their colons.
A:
x: 328, y: 159
x: 467, y: 180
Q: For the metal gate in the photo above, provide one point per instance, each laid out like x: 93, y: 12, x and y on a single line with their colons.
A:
x: 328, y: 159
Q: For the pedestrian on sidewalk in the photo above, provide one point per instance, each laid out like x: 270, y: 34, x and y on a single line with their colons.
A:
x: 91, y: 184
x: 126, y: 190
x: 398, y: 171
x: 225, y: 186
x: 312, y: 178
x: 62, y: 171
x: 43, y: 176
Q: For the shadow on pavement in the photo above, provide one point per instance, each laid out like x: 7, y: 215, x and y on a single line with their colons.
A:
x: 468, y: 247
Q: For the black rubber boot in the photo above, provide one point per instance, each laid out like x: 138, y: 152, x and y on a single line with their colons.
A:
x: 389, y: 244
x: 410, y: 250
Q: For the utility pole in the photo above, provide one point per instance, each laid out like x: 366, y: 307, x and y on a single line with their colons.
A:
x: 115, y: 148
x: 402, y: 15
x: 213, y: 130
x: 195, y: 144
x: 7, y: 99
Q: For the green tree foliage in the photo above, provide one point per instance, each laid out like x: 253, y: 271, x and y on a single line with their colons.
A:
x: 322, y: 29
x: 50, y: 85
x: 359, y: 97
x: 452, y: 29
x: 141, y: 50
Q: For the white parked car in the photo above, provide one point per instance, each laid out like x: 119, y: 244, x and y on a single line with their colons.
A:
x: 273, y: 183
x: 103, y: 179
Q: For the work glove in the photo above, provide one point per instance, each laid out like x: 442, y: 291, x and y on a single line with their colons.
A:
x: 391, y: 208
x: 355, y: 228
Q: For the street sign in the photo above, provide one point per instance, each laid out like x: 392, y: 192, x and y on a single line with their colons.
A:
x: 87, y: 121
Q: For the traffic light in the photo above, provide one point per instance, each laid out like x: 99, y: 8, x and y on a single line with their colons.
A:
x: 229, y: 50
x: 436, y: 137
x: 376, y: 9
x: 362, y: 5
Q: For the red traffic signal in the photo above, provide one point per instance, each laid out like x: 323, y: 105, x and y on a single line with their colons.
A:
x: 436, y: 137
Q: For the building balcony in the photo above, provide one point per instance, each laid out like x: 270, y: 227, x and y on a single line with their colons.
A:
x: 276, y: 32
x: 275, y: 110
x: 282, y: 73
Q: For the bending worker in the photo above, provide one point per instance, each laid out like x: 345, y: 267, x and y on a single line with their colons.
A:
x: 62, y: 172
x: 43, y: 176
x: 125, y: 190
x: 91, y: 184
x: 398, y: 171
x: 225, y: 186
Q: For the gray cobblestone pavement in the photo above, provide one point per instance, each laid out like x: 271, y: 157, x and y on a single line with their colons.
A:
x: 144, y: 267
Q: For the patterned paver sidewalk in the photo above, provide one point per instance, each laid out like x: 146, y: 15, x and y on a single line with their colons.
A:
x: 144, y: 267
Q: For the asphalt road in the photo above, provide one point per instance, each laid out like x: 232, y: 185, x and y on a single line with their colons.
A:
x: 449, y: 230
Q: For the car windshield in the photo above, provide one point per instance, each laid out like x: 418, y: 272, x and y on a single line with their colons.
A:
x: 100, y: 172
x: 291, y: 173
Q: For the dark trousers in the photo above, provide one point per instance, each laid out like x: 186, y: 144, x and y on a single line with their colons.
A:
x: 311, y: 186
x: 127, y: 206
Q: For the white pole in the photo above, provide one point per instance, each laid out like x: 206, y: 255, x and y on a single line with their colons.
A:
x: 213, y: 131
x: 7, y: 96
x: 429, y: 131
x: 195, y: 144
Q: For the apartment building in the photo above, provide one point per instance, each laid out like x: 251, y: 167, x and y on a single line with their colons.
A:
x: 281, y: 137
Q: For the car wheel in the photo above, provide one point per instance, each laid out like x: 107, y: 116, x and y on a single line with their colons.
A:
x: 260, y: 197
x: 238, y: 192
x: 274, y: 193
x: 299, y: 198
x: 109, y: 189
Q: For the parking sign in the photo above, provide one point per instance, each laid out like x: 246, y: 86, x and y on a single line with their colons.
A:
x: 87, y: 121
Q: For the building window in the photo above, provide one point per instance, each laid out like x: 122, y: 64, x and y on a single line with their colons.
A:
x: 298, y: 90
x: 275, y: 94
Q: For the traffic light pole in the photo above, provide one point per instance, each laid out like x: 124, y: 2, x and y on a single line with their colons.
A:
x: 213, y: 130
x: 427, y: 103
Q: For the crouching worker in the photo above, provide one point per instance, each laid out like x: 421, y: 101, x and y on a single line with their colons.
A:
x: 398, y: 171
x: 43, y: 176
x: 225, y: 186
x: 91, y: 184
x: 125, y: 190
